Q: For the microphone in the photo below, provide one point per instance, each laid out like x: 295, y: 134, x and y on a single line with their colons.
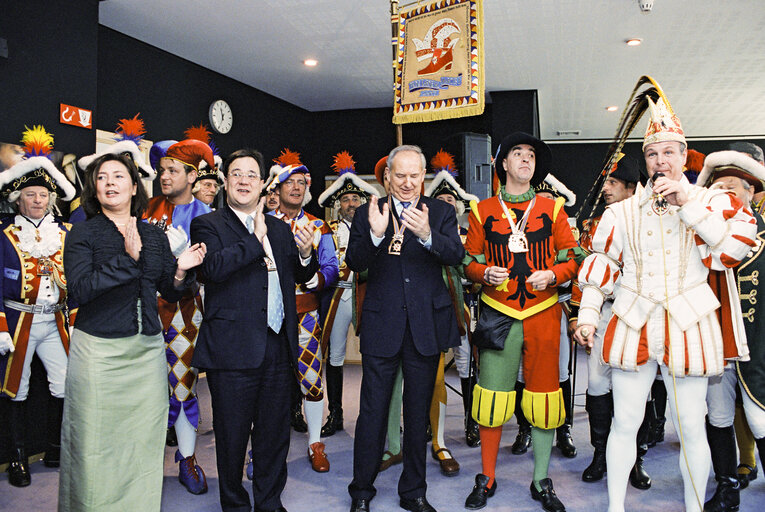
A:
x: 661, y: 202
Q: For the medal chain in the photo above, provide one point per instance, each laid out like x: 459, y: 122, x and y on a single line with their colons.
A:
x: 521, y: 227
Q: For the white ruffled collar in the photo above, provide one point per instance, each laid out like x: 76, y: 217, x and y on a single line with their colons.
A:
x: 39, y: 241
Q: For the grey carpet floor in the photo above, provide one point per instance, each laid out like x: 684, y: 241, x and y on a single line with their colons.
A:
x: 307, y: 491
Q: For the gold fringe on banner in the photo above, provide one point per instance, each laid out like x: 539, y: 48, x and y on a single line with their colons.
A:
x: 426, y: 22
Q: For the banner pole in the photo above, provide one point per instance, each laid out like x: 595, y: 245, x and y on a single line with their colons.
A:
x: 394, y: 49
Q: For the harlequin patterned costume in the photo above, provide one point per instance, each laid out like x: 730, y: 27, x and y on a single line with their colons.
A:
x: 307, y: 297
x: 180, y: 320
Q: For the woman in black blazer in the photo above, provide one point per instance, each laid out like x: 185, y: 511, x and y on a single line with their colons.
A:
x: 115, y: 414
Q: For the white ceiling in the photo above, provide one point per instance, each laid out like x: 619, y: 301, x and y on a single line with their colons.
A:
x: 708, y: 55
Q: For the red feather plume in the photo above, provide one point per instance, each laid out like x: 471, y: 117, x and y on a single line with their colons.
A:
x: 198, y: 133
x: 695, y: 161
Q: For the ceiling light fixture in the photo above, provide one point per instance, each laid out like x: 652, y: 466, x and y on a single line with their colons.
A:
x: 634, y: 42
x: 310, y: 62
x: 612, y: 108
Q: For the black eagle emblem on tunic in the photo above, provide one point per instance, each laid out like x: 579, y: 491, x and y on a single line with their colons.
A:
x: 518, y: 264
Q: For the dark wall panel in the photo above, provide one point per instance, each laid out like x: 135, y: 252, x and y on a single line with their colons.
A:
x: 52, y: 48
x: 173, y: 94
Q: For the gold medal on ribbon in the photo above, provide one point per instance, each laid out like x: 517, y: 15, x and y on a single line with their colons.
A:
x: 394, y: 248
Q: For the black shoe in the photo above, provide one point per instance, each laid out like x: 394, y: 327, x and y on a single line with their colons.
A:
x: 480, y: 493
x: 52, y: 457
x: 333, y: 424
x: 170, y: 438
x: 18, y: 471
x: 280, y: 509
x: 745, y: 478
x: 522, y: 442
x: 360, y: 505
x: 298, y: 422
x: 472, y: 433
x: 639, y: 478
x: 597, y: 468
x: 419, y: 504
x: 550, y: 501
x: 564, y: 442
x: 726, y: 497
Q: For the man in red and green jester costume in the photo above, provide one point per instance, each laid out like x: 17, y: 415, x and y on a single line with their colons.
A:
x: 519, y: 246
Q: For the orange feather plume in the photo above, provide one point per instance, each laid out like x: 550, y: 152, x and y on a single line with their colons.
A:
x: 288, y: 157
x: 132, y: 128
x: 343, y: 162
x: 443, y: 161
x: 198, y: 133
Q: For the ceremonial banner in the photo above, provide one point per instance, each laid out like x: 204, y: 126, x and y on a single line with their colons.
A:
x: 439, y: 64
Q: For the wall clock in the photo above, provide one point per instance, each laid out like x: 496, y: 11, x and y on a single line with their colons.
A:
x: 221, y: 117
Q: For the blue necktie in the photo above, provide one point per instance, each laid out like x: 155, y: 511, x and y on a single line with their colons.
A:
x: 404, y: 206
x: 275, y: 301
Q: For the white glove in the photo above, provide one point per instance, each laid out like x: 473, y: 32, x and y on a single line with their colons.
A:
x: 179, y: 242
x: 6, y: 343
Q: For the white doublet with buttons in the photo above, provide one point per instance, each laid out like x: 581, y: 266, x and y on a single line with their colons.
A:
x: 655, y: 264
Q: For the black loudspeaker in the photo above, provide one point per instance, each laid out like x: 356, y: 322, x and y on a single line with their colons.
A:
x: 472, y: 152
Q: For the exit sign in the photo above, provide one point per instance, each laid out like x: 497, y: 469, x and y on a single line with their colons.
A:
x: 76, y: 116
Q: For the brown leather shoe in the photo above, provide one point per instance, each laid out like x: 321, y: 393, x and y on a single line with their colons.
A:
x: 449, y: 465
x: 318, y: 458
x: 391, y: 460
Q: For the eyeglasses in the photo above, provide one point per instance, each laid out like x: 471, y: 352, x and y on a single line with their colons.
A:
x: 239, y: 175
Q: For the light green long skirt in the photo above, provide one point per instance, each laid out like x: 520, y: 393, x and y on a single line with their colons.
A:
x: 115, y: 418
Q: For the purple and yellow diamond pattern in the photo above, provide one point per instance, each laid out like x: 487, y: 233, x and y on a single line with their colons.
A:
x: 309, y: 361
x: 180, y: 339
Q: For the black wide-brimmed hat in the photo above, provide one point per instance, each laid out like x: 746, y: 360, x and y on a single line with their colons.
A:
x: 626, y: 170
x: 543, y: 156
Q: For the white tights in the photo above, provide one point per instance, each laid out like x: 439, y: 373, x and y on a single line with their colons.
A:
x: 630, y: 388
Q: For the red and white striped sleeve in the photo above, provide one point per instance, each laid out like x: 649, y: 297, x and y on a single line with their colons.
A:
x: 725, y: 230
x: 601, y: 269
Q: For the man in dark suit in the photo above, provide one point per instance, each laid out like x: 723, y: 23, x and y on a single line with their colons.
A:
x: 248, y: 340
x: 403, y: 241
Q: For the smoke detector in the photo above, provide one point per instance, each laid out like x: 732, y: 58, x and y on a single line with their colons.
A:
x: 646, y: 6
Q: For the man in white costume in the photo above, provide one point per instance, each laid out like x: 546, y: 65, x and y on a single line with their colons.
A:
x: 653, y: 253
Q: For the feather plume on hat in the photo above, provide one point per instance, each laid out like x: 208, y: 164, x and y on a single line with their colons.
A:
x: 444, y: 161
x: 128, y: 137
x: 36, y: 169
x: 286, y: 164
x: 205, y: 172
x: 348, y: 182
x: 444, y: 181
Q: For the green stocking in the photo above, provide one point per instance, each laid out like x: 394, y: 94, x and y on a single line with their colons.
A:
x: 394, y: 416
x: 541, y: 443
